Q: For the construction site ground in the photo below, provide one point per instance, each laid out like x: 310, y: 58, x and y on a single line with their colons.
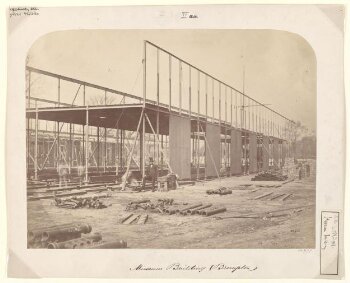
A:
x: 293, y: 227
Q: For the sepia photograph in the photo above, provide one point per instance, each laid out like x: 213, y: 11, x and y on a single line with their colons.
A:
x: 183, y: 142
x: 171, y: 139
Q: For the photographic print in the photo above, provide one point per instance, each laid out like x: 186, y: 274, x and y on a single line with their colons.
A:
x: 203, y: 141
x: 171, y: 139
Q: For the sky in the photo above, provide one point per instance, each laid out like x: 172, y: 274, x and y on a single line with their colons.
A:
x: 279, y: 67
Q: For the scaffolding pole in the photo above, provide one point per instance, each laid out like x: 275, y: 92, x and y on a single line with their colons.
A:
x: 144, y: 73
x: 105, y: 150
x: 36, y: 144
x: 142, y: 143
x: 87, y: 145
x: 142, y: 118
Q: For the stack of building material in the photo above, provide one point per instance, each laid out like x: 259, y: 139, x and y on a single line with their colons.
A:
x: 40, y: 238
x: 80, y: 202
x: 220, y: 191
x: 171, y: 208
x: 272, y: 196
x: 198, y: 209
x: 135, y: 219
x: 51, y: 193
x: 212, y: 211
x: 270, y: 176
x: 76, y: 243
x: 69, y: 236
x: 146, y: 204
x: 290, y: 168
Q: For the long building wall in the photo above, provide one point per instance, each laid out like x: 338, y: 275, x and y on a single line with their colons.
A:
x: 180, y: 150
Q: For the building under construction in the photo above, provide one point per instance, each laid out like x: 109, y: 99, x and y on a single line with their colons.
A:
x: 189, y: 122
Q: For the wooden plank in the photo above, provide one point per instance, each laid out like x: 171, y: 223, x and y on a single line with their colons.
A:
x: 277, y: 196
x: 286, y: 197
x: 50, y: 196
x: 132, y: 219
x: 143, y: 219
x: 74, y: 187
x: 127, y: 217
x: 264, y: 195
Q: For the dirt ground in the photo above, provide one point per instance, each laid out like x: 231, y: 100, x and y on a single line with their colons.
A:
x: 294, y: 229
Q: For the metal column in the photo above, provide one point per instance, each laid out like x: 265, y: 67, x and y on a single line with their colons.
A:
x: 36, y: 144
x: 87, y: 145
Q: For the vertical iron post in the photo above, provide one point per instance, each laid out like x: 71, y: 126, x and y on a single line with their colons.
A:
x: 87, y: 145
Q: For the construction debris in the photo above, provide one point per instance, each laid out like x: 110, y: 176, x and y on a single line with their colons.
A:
x: 148, y: 205
x: 264, y: 195
x: 270, y: 176
x: 286, y: 197
x: 80, y: 202
x: 129, y: 219
x: 40, y: 238
x: 277, y: 196
x: 135, y: 219
x: 76, y: 243
x: 142, y: 219
x: 69, y: 236
x: 197, y: 210
x: 220, y: 191
x: 167, y: 206
x: 270, y: 214
x: 213, y: 211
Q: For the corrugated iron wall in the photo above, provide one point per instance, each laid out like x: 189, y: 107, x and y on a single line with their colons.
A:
x: 275, y: 152
x: 284, y: 152
x: 212, y: 152
x: 180, y: 146
x: 253, y: 153
x: 265, y: 153
x: 236, y: 152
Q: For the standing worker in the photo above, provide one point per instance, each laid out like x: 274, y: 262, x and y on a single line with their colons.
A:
x: 152, y: 174
x: 307, y: 169
x: 300, y: 171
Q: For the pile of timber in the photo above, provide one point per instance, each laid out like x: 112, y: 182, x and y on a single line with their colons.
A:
x: 168, y: 206
x: 146, y: 204
x: 285, y: 212
x: 135, y: 219
x: 69, y: 236
x: 195, y: 209
x: 219, y: 191
x: 74, y: 202
x: 51, y: 193
x: 272, y: 196
x: 270, y: 176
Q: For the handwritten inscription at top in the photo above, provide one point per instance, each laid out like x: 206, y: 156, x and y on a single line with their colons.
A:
x: 23, y: 11
x: 188, y: 15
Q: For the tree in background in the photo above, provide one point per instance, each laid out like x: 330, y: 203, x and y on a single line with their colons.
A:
x: 305, y: 142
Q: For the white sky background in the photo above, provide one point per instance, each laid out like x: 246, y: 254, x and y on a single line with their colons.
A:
x: 280, y: 67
